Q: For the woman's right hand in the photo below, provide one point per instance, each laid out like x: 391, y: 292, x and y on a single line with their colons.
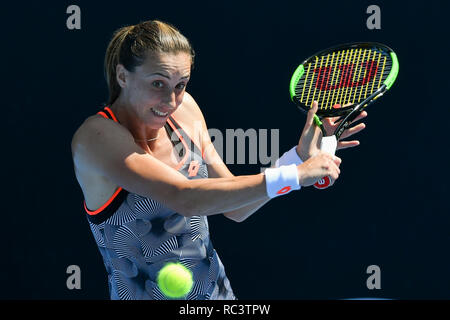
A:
x: 320, y: 165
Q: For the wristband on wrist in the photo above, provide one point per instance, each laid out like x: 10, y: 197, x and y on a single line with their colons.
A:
x: 289, y: 157
x: 282, y: 180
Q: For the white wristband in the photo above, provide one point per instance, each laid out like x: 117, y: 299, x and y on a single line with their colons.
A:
x: 289, y: 157
x: 282, y: 180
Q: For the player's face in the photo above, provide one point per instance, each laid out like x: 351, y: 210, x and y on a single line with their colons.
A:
x: 156, y: 88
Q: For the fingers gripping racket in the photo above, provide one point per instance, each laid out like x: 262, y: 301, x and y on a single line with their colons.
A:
x: 343, y: 80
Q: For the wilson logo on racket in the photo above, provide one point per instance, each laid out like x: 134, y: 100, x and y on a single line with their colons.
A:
x: 346, y: 75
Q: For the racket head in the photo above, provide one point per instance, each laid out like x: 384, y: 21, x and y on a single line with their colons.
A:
x: 340, y: 78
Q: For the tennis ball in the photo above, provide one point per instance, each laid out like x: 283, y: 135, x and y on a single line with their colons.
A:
x: 175, y: 280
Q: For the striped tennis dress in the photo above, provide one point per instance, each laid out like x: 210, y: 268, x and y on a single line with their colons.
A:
x: 137, y: 236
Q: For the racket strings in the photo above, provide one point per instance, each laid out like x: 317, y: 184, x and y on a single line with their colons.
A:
x: 343, y: 77
x: 347, y: 92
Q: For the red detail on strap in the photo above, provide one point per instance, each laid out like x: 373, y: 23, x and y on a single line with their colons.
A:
x: 94, y: 212
x: 111, y: 113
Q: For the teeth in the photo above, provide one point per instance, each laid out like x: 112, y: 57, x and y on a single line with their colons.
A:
x: 159, y: 113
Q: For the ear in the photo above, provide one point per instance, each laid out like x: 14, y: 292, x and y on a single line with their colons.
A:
x: 121, y: 75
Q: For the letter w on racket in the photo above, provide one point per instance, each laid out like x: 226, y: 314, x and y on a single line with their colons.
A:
x: 345, y: 78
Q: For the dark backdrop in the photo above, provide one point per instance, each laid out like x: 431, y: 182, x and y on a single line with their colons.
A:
x: 389, y: 207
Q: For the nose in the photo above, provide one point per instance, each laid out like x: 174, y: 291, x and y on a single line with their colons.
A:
x: 171, y: 99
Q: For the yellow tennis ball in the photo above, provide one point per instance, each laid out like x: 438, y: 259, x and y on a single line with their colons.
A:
x: 175, y: 280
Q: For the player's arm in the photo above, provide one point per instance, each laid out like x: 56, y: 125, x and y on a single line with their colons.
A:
x: 216, y: 166
x: 219, y: 169
x: 105, y: 148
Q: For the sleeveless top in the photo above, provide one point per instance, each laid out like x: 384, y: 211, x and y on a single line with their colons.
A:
x: 137, y: 236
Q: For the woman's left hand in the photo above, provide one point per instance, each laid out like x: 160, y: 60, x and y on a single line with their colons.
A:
x: 307, y: 149
x: 330, y: 126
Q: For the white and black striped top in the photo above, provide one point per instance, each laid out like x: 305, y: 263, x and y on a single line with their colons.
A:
x: 137, y: 236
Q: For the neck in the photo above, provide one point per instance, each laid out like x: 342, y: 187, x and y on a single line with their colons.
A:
x: 131, y: 121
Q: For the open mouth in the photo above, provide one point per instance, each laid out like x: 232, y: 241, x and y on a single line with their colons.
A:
x: 159, y: 113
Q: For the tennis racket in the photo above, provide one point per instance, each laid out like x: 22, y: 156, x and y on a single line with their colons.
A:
x: 343, y: 80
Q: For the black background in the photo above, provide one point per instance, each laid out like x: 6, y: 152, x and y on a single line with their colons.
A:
x: 389, y: 207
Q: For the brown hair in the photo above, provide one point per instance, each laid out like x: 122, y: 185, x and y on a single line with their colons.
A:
x: 131, y: 44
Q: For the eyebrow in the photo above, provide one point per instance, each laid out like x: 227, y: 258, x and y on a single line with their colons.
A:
x: 165, y: 76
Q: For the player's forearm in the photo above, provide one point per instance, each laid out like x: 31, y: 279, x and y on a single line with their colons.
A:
x: 241, y: 214
x: 219, y: 195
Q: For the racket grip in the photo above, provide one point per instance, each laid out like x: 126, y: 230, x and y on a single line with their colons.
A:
x: 328, y: 144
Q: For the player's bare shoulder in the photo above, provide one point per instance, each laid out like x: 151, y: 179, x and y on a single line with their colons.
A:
x: 92, y: 124
x: 94, y: 133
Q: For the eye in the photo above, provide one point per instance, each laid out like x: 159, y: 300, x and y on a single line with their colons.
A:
x: 157, y: 84
x: 181, y: 86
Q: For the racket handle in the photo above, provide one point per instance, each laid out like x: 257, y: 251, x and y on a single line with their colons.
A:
x: 328, y: 144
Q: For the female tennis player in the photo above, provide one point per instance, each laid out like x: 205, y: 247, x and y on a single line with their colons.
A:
x: 150, y: 179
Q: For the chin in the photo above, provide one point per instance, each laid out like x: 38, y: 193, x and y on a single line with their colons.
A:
x: 155, y: 123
